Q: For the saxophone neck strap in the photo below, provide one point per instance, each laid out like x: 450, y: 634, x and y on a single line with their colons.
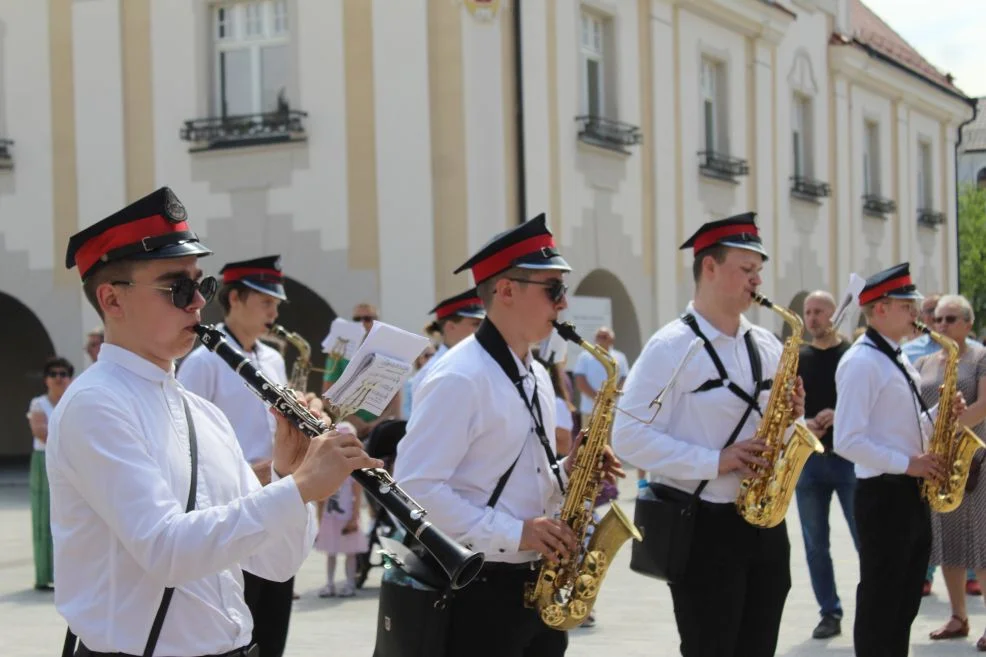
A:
x: 490, y: 339
x: 759, y: 385
x: 880, y: 343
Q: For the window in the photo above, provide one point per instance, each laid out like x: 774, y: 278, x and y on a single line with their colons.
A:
x: 981, y: 178
x: 925, y: 195
x: 871, y: 158
x: 801, y: 136
x: 252, y: 57
x: 593, y: 64
x: 713, y: 107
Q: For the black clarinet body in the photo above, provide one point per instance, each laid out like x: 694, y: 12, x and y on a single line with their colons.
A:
x: 461, y: 565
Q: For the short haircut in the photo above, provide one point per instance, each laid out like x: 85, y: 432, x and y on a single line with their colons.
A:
x: 242, y: 292
x: 56, y: 362
x: 869, y: 307
x: 823, y: 296
x: 486, y: 289
x: 119, y: 270
x: 961, y: 302
x: 717, y: 252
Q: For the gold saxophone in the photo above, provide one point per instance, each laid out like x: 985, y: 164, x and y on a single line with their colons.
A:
x: 303, y: 363
x: 953, y: 443
x: 764, y: 498
x: 564, y: 593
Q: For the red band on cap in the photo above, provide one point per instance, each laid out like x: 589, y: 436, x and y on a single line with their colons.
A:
x: 872, y: 294
x: 238, y: 273
x: 503, y: 259
x: 123, y: 235
x: 450, y: 309
x: 705, y: 240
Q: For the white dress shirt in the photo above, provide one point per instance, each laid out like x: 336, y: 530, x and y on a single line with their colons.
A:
x: 119, y: 469
x: 878, y: 427
x: 681, y: 447
x: 419, y: 376
x: 468, y: 425
x: 208, y: 375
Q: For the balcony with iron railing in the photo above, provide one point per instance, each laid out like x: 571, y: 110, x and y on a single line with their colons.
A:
x: 808, y: 188
x: 608, y: 133
x: 877, y: 206
x: 722, y: 166
x: 220, y: 132
x: 6, y: 159
x: 930, y: 218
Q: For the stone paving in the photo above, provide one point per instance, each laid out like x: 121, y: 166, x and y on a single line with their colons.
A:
x: 634, y: 613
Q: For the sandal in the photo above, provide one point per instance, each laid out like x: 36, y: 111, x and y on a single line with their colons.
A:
x: 947, y: 632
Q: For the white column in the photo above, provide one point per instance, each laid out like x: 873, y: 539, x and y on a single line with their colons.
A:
x: 845, y: 194
x: 666, y: 234
x: 403, y: 145
x: 763, y: 87
x: 906, y: 188
x: 537, y: 150
x: 950, y: 261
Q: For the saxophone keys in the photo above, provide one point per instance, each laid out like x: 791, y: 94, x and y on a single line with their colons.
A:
x: 552, y: 615
x: 586, y: 586
x: 595, y: 561
x: 578, y: 610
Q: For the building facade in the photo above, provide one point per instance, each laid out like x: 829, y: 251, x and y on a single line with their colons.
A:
x: 375, y: 144
x: 972, y: 149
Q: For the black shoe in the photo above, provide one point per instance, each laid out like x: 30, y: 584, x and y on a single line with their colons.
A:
x: 827, y: 628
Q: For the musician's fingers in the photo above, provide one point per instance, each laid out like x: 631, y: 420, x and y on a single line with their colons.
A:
x: 364, y: 462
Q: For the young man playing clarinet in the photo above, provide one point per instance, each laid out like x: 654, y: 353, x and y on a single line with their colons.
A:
x: 729, y: 600
x: 479, y: 452
x: 250, y: 295
x: 882, y: 426
x: 155, y: 513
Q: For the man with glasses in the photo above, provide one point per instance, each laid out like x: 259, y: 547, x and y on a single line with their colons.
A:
x: 479, y: 452
x: 251, y: 293
x: 882, y: 426
x: 731, y: 594
x: 155, y: 514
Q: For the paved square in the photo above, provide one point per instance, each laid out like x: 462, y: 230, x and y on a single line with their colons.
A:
x: 634, y: 613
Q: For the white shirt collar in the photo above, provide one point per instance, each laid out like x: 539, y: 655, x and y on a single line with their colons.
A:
x: 139, y: 365
x: 711, y: 332
x: 523, y: 366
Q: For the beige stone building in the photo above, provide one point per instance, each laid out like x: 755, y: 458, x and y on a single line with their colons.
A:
x: 375, y: 143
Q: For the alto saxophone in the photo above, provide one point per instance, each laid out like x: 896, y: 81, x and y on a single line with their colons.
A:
x: 953, y: 443
x: 564, y: 593
x: 763, y: 499
x: 302, y: 364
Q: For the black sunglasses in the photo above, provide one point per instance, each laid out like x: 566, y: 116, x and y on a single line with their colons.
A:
x: 947, y: 319
x: 556, y: 288
x: 182, y: 290
x: 58, y: 374
x: 364, y: 318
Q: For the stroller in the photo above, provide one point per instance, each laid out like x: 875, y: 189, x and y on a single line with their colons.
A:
x: 381, y: 443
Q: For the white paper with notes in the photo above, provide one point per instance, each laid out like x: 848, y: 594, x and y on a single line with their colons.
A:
x: 377, y: 370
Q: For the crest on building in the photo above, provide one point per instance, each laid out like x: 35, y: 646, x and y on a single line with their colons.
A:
x: 483, y: 10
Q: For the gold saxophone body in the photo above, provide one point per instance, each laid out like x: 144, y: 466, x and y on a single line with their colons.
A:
x: 763, y: 499
x: 954, y: 443
x: 302, y: 364
x: 564, y: 593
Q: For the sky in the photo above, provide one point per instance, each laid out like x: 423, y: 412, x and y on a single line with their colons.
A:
x: 951, y: 34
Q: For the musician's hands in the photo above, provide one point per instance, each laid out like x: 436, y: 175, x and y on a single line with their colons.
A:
x: 290, y: 443
x: 825, y: 418
x: 262, y: 470
x: 740, y: 457
x: 316, y: 405
x: 798, y: 398
x: 552, y: 538
x: 926, y: 466
x: 330, y: 458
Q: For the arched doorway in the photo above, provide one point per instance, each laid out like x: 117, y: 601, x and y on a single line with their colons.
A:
x: 797, y: 306
x: 26, y: 346
x: 305, y: 313
x: 602, y: 283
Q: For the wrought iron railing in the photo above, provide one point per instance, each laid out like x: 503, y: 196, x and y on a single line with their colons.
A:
x: 6, y: 159
x: 720, y: 165
x: 931, y: 217
x: 809, y: 187
x: 608, y: 133
x: 877, y: 205
x: 244, y: 130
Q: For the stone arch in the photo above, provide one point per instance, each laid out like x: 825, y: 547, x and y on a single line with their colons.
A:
x: 26, y: 346
x: 797, y: 306
x: 603, y: 283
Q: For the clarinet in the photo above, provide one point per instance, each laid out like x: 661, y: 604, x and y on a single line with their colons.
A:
x: 461, y: 565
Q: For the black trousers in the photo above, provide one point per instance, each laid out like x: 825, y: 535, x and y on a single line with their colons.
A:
x: 270, y: 606
x: 894, y: 525
x: 488, y: 618
x: 730, y: 600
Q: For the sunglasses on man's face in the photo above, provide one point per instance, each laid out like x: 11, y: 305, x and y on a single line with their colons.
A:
x: 364, y: 318
x: 947, y: 319
x: 58, y: 374
x: 556, y: 289
x: 182, y: 290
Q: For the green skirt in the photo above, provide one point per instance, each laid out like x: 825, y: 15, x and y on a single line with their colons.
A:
x: 44, y: 570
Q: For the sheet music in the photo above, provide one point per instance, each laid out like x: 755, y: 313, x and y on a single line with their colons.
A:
x: 344, y: 335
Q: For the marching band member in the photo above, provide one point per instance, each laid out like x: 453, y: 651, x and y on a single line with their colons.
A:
x: 457, y: 318
x: 729, y: 600
x: 881, y: 426
x: 154, y: 510
x: 494, y: 483
x: 250, y: 295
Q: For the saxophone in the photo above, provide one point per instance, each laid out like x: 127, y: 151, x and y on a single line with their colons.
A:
x: 564, y: 593
x: 764, y: 498
x: 302, y: 364
x: 953, y: 443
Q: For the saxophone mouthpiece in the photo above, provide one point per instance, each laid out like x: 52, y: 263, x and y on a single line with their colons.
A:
x: 567, y: 331
x: 762, y: 300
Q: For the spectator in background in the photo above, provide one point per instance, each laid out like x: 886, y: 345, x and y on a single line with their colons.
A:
x: 590, y: 375
x: 94, y: 340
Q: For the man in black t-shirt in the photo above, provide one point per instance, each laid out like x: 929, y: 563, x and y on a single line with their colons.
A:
x: 826, y: 473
